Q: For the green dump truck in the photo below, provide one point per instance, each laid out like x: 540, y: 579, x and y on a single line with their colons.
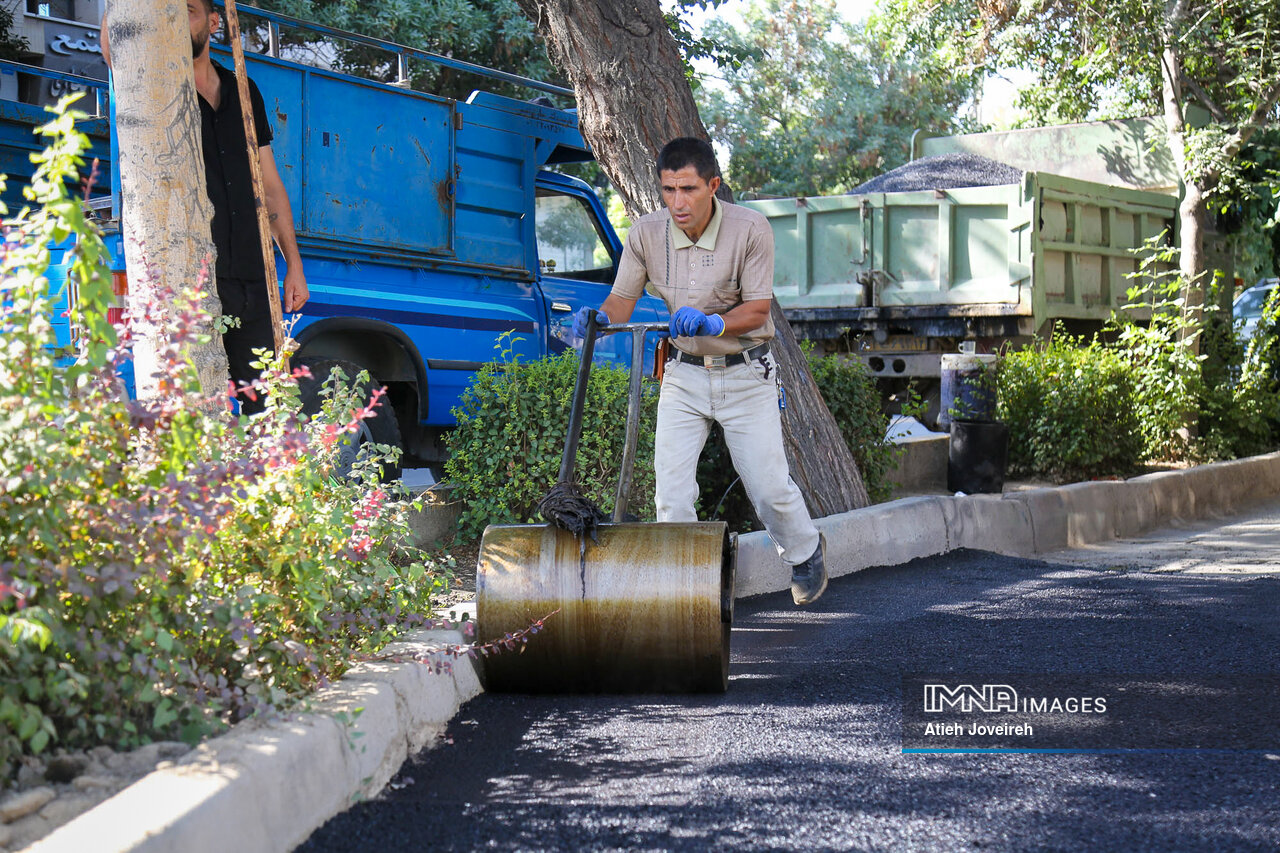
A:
x: 899, y: 278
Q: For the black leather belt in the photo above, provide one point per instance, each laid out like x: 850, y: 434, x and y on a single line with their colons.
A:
x: 721, y: 360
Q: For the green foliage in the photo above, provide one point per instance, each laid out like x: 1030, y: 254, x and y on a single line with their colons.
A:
x: 166, y: 569
x: 1254, y: 207
x: 1071, y: 411
x: 1167, y: 374
x: 1256, y: 410
x: 1096, y: 59
x: 854, y: 401
x: 491, y: 33
x: 1212, y: 405
x: 1240, y: 408
x: 694, y: 46
x: 1097, y: 409
x: 12, y: 46
x: 818, y: 106
x: 506, y: 450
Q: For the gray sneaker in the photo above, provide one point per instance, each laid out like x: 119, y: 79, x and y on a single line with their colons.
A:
x: 809, y: 579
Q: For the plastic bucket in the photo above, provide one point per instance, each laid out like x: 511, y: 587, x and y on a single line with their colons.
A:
x: 968, y: 388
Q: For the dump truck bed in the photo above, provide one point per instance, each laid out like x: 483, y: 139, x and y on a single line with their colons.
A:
x: 989, y: 261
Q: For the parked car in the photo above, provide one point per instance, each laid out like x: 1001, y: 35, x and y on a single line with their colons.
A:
x: 1249, y: 304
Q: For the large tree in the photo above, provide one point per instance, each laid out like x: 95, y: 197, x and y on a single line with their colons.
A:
x: 165, y: 210
x: 1105, y: 58
x: 633, y: 96
x: 818, y: 105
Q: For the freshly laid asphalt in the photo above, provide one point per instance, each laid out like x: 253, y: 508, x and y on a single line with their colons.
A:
x: 805, y: 749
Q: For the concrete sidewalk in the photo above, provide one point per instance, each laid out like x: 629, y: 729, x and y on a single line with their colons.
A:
x: 266, y: 787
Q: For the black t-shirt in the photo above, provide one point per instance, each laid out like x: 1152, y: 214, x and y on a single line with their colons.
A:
x: 229, y: 181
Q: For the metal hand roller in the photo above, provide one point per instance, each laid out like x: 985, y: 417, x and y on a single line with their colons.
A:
x: 647, y: 607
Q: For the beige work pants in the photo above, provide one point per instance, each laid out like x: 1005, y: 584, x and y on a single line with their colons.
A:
x: 743, y: 399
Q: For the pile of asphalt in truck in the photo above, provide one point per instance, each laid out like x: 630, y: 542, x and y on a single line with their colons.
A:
x: 940, y: 172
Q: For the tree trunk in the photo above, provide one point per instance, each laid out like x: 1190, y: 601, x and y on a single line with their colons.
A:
x: 628, y: 76
x: 633, y: 97
x: 1192, y: 262
x: 1191, y: 213
x: 821, y: 463
x: 165, y: 209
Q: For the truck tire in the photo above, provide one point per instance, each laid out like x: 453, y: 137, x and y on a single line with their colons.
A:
x: 382, y: 428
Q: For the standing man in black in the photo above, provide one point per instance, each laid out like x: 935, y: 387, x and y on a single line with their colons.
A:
x: 240, y: 272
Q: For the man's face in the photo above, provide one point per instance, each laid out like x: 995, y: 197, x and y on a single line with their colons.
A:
x: 203, y: 25
x: 689, y: 197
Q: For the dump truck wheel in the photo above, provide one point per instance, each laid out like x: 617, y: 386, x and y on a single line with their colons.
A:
x: 382, y: 428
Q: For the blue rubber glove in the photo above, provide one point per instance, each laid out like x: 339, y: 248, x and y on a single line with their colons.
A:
x: 580, y: 321
x: 690, y: 322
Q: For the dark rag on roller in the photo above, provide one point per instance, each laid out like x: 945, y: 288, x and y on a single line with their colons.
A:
x: 567, y: 508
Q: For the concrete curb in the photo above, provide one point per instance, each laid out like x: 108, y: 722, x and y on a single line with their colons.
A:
x: 1018, y: 524
x: 268, y: 786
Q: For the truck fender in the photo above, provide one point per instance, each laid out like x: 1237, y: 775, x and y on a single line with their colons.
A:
x: 379, y: 347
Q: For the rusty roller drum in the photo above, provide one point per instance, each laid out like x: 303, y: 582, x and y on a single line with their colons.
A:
x: 647, y: 609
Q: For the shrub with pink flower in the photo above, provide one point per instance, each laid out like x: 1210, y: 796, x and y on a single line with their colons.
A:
x: 167, y: 568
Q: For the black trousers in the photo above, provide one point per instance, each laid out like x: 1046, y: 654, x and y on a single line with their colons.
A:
x: 246, y: 299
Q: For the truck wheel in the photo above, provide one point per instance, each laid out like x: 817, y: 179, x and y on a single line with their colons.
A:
x: 382, y: 428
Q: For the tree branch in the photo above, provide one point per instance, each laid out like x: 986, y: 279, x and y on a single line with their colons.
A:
x: 1256, y: 120
x: 1203, y: 97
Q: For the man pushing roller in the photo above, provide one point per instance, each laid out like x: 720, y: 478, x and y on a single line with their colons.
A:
x: 712, y: 263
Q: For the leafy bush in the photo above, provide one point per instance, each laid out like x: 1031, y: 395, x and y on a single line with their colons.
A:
x: 166, y: 569
x: 1240, y: 403
x: 1219, y: 403
x: 854, y: 401
x: 505, y: 452
x: 1071, y: 409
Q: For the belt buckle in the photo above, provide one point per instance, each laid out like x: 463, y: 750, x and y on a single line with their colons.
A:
x: 710, y: 361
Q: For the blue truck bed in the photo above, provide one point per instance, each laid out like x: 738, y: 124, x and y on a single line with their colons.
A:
x: 429, y: 229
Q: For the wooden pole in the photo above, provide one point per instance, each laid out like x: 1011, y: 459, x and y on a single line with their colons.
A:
x: 255, y: 169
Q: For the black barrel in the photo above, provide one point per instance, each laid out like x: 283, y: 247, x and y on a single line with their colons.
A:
x: 977, y: 457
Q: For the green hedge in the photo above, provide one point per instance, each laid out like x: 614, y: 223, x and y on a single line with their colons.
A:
x: 1071, y: 409
x: 506, y: 450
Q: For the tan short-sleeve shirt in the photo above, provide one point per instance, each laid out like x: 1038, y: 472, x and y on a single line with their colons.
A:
x: 731, y: 263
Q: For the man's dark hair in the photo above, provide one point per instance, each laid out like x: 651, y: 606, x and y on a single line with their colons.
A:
x: 208, y: 7
x: 689, y: 151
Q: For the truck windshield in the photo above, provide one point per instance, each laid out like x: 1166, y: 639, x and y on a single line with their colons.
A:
x: 569, y: 242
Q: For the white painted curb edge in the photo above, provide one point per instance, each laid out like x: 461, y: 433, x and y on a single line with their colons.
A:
x: 267, y: 786
x: 1019, y: 523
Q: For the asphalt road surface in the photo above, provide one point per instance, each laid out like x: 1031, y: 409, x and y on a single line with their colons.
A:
x: 805, y: 751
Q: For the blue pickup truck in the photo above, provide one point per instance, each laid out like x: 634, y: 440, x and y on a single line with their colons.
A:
x: 429, y: 227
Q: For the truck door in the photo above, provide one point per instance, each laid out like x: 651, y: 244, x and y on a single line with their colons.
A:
x: 577, y: 257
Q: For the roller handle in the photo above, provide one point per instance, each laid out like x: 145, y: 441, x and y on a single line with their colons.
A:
x: 570, y: 459
x: 569, y: 462
x: 650, y: 326
x: 626, y: 468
